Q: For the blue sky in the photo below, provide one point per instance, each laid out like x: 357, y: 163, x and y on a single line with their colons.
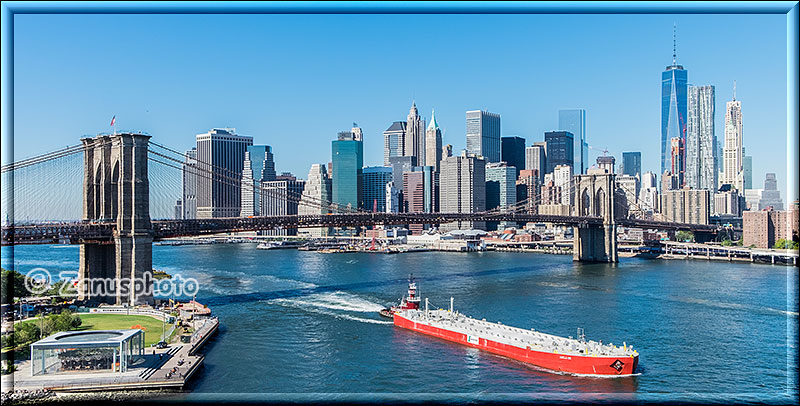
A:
x: 294, y: 81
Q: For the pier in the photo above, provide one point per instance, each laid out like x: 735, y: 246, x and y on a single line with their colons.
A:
x: 684, y: 250
x: 158, y: 369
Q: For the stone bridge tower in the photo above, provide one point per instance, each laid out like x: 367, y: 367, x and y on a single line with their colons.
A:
x: 116, y: 188
x: 595, y: 196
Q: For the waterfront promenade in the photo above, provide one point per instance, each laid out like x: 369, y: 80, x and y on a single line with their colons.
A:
x: 168, y: 368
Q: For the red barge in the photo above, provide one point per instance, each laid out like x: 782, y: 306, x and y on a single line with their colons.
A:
x: 566, y: 355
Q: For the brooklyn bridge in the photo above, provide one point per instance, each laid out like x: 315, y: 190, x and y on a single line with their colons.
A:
x: 107, y: 194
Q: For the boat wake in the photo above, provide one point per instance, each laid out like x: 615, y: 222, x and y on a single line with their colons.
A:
x: 334, y: 304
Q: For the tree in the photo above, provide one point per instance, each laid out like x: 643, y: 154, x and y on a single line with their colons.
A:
x: 76, y: 321
x: 783, y: 244
x: 684, y: 236
x: 727, y: 243
x: 62, y: 290
x: 13, y: 285
x: 25, y: 333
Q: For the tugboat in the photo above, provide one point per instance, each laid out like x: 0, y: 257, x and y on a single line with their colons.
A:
x: 407, y: 303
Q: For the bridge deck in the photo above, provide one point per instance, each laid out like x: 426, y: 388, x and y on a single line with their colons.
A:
x: 99, y: 232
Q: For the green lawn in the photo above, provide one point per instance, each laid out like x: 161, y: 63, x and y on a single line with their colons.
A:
x: 150, y: 325
x: 99, y: 321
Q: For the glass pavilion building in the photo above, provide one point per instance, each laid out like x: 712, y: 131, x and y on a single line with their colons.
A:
x: 87, y: 351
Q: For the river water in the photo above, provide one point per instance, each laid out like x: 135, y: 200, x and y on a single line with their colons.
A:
x: 304, y: 325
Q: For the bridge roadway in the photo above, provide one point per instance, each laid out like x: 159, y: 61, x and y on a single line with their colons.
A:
x: 102, y: 232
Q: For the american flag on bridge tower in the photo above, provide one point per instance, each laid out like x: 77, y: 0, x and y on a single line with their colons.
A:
x: 113, y: 119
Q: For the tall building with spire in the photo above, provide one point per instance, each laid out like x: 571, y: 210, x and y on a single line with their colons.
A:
x: 415, y: 134
x: 673, y: 109
x: 732, y: 154
x: 433, y: 144
x: 433, y: 157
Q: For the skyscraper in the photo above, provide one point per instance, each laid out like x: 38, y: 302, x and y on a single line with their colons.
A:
x: 771, y: 196
x: 560, y: 149
x: 483, y: 134
x: 414, y: 196
x: 630, y: 186
x: 648, y: 192
x: 463, y: 188
x: 189, y: 205
x: 281, y: 198
x: 529, y: 187
x: 392, y: 198
x: 701, y: 171
x: 428, y: 189
x: 501, y: 189
x: 433, y: 144
x: 374, y: 187
x: 415, y: 134
x: 259, y: 166
x: 347, y: 155
x: 316, y: 199
x: 733, y: 155
x: 394, y: 141
x: 512, y: 151
x: 433, y: 157
x: 673, y: 106
x: 536, y: 159
x: 447, y: 150
x: 220, y: 152
x: 631, y: 164
x: 676, y: 159
x: 747, y: 169
x: 574, y: 121
x: 414, y: 191
x: 562, y: 177
x: 399, y: 165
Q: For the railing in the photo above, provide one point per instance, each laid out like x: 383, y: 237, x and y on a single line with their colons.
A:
x: 133, y: 311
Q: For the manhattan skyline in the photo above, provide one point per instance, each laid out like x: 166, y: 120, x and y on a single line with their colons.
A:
x: 285, y: 78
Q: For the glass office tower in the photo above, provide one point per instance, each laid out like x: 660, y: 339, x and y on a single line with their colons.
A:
x: 483, y: 134
x: 347, y: 156
x: 673, y: 111
x: 574, y: 121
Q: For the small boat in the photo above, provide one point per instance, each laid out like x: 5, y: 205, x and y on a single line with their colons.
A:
x: 411, y: 302
x: 270, y: 245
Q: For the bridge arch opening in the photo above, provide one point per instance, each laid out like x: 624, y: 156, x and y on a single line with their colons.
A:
x: 98, y: 193
x: 114, y: 190
x: 599, y: 202
x: 586, y: 203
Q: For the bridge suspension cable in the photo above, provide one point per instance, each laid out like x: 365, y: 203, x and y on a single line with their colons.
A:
x: 218, y: 174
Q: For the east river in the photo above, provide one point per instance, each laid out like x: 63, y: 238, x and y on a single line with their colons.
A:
x: 304, y: 326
